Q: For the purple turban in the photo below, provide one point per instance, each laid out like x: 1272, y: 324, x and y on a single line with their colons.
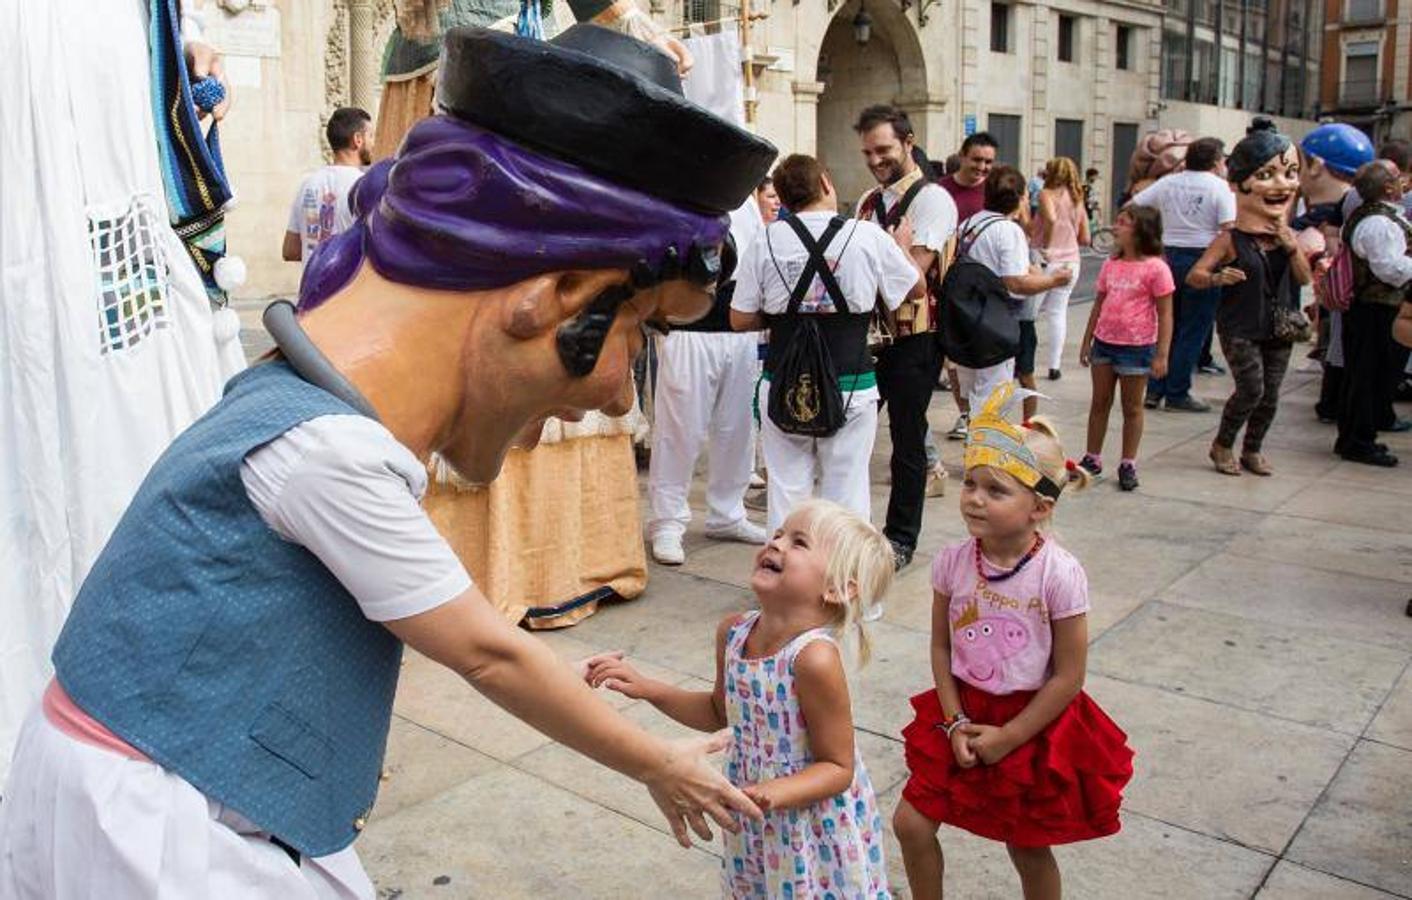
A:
x: 463, y: 209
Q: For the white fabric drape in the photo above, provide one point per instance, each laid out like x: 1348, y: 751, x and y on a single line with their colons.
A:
x: 84, y: 411
x: 716, y: 81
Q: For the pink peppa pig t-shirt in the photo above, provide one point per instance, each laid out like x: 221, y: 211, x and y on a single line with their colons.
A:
x: 1000, y: 637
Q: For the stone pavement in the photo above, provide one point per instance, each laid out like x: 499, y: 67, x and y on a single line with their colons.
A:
x: 1247, y: 633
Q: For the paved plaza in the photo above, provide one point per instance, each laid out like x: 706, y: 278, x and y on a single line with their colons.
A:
x: 1249, y: 635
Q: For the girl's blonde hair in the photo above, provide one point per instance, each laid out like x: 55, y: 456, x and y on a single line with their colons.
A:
x: 1042, y: 438
x: 1061, y: 172
x: 860, y: 563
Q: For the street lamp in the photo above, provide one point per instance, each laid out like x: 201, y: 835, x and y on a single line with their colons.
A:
x: 862, y: 27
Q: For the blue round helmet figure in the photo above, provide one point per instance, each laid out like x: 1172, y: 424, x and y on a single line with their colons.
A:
x: 1342, y: 147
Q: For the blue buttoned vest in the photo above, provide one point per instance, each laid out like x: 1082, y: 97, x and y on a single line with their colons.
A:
x: 225, y: 653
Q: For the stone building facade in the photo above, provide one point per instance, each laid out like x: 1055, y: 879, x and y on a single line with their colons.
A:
x: 1082, y: 78
x: 1367, y: 76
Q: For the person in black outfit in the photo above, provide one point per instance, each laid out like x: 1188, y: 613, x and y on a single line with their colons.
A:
x: 1380, y: 240
x: 1257, y: 265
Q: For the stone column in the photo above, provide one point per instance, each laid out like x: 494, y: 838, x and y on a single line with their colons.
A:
x: 1105, y: 62
x: 936, y: 133
x: 362, y: 58
x: 1039, y: 127
x: 806, y: 116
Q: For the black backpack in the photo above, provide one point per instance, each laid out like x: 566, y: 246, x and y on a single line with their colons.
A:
x: 978, y: 328
x: 805, y: 398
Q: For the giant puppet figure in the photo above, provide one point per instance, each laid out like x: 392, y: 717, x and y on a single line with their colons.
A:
x: 574, y: 498
x: 108, y: 343
x: 1329, y: 157
x: 1259, y: 267
x: 224, y: 683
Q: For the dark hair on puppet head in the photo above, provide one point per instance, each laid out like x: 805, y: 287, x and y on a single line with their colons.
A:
x: 580, y: 341
x: 1258, y: 147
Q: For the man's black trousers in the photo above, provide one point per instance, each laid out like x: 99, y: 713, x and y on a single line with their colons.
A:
x: 907, y: 374
x: 1369, y: 375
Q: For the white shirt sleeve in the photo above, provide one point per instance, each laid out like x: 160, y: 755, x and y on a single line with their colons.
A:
x: 1381, y: 242
x: 896, y: 272
x: 748, y: 289
x: 342, y: 487
x: 1150, y: 195
x: 1013, y: 249
x: 1225, y: 203
x: 296, y: 210
x: 933, y: 216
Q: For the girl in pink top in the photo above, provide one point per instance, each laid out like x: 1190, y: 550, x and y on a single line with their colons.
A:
x: 1128, y: 335
x: 1007, y: 745
x: 1056, y: 235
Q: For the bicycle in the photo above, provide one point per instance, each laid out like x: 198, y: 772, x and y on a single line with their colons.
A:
x: 1100, y: 241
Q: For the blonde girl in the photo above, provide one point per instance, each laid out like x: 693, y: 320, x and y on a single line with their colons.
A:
x: 782, y: 691
x: 1007, y: 745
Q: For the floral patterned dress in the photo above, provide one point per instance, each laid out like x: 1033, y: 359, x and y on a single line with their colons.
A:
x: 830, y: 850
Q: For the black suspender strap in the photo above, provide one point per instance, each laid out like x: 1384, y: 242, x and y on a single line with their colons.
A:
x: 889, y: 220
x: 817, y: 265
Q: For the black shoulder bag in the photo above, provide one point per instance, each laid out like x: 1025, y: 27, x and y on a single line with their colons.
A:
x: 978, y: 329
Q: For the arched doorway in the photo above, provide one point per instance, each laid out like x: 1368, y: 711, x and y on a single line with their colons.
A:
x: 886, y: 69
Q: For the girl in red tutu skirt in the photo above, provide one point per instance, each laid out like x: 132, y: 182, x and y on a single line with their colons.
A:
x: 1007, y: 745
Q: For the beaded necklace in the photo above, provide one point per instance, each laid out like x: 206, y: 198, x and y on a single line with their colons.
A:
x: 1029, y: 555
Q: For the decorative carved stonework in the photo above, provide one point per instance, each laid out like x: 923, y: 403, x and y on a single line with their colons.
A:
x: 339, y: 50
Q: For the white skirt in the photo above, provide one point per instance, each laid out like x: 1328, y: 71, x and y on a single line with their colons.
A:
x: 80, y: 822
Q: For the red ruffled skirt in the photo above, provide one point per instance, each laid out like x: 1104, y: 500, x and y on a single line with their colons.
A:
x: 1064, y: 785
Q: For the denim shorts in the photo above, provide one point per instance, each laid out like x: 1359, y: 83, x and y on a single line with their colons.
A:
x: 1125, y: 359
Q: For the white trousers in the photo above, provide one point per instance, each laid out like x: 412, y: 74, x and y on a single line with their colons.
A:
x: 977, y: 385
x: 705, y: 382
x: 1054, y: 313
x: 79, y: 822
x: 840, y: 462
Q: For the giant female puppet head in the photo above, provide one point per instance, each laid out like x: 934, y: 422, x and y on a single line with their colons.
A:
x: 1158, y: 153
x: 506, y: 261
x: 1264, y: 171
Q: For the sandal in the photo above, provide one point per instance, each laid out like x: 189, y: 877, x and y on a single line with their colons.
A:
x: 1254, y: 462
x: 1225, y: 460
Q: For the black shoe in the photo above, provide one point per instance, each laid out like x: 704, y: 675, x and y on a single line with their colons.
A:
x: 901, y: 556
x: 1055, y: 374
x: 1378, y: 446
x: 1127, y: 477
x: 1188, y: 404
x: 1380, y: 458
x: 1091, y: 466
x: 1151, y: 402
x: 1212, y: 368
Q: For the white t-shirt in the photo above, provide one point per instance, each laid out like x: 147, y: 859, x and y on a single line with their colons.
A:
x: 865, y: 259
x: 320, y: 208
x: 1194, y: 206
x: 1002, y: 247
x: 932, y: 214
x: 345, y: 489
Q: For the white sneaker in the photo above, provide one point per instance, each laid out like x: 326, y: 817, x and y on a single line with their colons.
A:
x: 960, y: 429
x: 936, y: 481
x: 745, y: 531
x: 667, y: 549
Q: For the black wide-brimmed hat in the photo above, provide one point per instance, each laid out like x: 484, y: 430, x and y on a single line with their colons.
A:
x: 605, y: 101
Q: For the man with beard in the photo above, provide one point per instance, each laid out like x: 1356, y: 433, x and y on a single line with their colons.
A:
x: 908, y: 368
x: 320, y: 208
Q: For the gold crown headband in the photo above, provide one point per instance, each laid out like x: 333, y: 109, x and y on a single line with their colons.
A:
x: 996, y: 442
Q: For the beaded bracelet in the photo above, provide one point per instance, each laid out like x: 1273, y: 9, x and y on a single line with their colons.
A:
x: 949, y: 724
